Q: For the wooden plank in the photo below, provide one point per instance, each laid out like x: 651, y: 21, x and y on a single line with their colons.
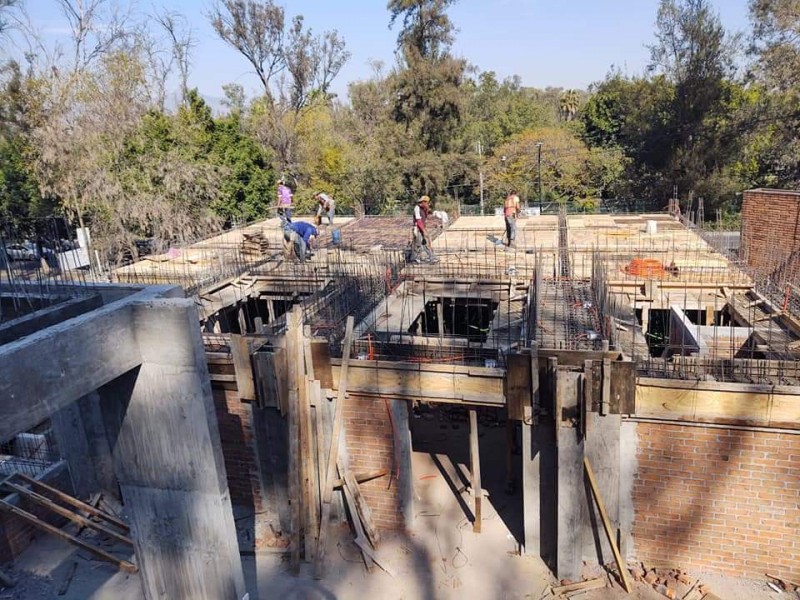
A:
x: 60, y: 510
x: 321, y: 358
x: 66, y: 498
x: 362, y: 508
x: 518, y: 385
x: 307, y: 469
x: 333, y: 452
x: 356, y: 521
x: 36, y: 522
x: 362, y: 477
x: 623, y: 569
x: 591, y: 584
x: 293, y: 424
x: 240, y: 352
x: 756, y: 408
x: 605, y: 398
x: 315, y: 396
x: 475, y: 469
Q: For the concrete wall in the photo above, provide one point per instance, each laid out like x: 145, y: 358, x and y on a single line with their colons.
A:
x: 722, y: 499
x: 771, y: 231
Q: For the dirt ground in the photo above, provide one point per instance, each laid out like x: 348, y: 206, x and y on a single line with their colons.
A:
x: 442, y: 558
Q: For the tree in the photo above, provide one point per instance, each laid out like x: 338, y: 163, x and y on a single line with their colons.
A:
x: 307, y: 65
x: 428, y: 101
x: 570, y: 170
x: 775, y: 42
x: 569, y: 104
x: 257, y: 30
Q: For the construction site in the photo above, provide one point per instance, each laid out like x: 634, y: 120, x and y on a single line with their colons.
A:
x: 608, y: 408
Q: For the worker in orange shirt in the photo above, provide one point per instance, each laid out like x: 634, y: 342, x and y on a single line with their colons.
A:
x: 510, y: 212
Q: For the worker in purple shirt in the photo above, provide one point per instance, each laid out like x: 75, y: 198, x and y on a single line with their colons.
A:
x: 301, y: 235
x: 284, y: 202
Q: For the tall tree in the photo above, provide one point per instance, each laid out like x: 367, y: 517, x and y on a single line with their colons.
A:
x: 695, y: 55
x: 428, y: 101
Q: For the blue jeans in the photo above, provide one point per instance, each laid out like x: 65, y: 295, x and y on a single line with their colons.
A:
x: 285, y: 214
x: 511, y: 229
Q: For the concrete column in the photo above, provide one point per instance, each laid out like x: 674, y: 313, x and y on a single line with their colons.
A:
x: 168, y: 459
x: 572, y: 505
x: 402, y: 454
x: 81, y: 438
x: 74, y: 448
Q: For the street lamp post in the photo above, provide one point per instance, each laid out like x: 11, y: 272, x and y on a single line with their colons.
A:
x: 539, y: 184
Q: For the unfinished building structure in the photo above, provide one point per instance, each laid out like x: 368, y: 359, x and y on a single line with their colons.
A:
x: 626, y: 346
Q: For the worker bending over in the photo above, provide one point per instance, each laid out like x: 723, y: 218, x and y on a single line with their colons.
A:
x: 301, y: 236
x: 326, y: 207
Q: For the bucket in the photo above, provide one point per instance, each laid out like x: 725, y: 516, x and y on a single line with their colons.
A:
x: 651, y: 227
x: 336, y: 235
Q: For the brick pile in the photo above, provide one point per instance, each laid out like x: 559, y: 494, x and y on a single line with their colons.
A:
x: 723, y: 499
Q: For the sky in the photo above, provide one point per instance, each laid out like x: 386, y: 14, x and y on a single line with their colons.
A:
x: 556, y: 43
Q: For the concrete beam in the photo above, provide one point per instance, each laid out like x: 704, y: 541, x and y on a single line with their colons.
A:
x: 41, y: 319
x: 49, y: 369
x: 163, y: 430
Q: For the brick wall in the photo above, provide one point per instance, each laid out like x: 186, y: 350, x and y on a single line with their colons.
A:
x: 370, y: 444
x: 722, y: 499
x: 771, y: 231
x: 238, y: 448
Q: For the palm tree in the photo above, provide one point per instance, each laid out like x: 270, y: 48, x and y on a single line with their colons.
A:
x: 569, y: 104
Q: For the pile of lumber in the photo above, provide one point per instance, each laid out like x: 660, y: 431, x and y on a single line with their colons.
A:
x: 53, y: 501
x: 255, y: 244
x: 317, y: 468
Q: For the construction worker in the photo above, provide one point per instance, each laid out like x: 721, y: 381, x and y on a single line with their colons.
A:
x: 284, y: 202
x: 510, y: 212
x: 326, y: 207
x: 420, y: 240
x: 301, y: 236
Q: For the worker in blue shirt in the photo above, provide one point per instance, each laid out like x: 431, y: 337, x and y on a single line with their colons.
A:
x: 301, y: 235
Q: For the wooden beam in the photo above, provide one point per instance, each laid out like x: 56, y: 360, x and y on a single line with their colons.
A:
x: 362, y: 477
x: 413, y: 381
x: 333, y: 452
x: 623, y: 569
x: 362, y: 508
x: 728, y: 404
x: 88, y: 508
x: 359, y: 529
x: 72, y: 516
x: 518, y: 384
x: 243, y: 368
x: 293, y: 426
x: 55, y: 531
x: 475, y: 469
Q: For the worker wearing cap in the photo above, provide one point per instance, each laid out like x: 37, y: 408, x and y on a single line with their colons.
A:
x: 326, y: 207
x: 420, y: 239
x: 301, y: 235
